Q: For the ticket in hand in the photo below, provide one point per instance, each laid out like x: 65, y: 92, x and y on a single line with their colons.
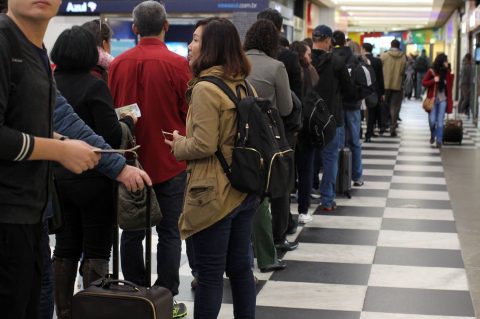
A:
x: 131, y: 108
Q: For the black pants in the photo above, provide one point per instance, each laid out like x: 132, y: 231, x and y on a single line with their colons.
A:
x: 88, y: 210
x: 20, y: 270
x: 372, y: 115
x: 393, y: 98
x: 169, y: 247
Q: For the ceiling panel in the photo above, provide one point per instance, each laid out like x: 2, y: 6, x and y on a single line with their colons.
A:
x: 385, y: 15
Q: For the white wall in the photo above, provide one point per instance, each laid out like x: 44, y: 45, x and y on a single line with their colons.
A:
x: 60, y: 23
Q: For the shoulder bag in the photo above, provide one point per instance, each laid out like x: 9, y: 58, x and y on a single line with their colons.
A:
x: 428, y: 102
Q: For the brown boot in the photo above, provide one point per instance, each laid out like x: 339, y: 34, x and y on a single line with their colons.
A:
x: 93, y: 269
x: 65, y: 272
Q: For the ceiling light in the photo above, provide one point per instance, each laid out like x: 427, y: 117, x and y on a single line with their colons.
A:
x: 385, y: 9
x: 382, y: 2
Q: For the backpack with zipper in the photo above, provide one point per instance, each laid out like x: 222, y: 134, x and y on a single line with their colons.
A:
x: 262, y: 160
x: 319, y: 125
x: 363, y: 77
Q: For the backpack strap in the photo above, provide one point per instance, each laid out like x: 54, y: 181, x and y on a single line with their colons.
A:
x: 223, y: 86
x: 235, y: 99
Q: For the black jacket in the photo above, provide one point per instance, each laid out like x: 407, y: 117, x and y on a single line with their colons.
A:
x: 292, y: 64
x: 335, y: 83
x: 350, y: 60
x: 92, y: 102
x: 27, y: 99
x: 378, y: 68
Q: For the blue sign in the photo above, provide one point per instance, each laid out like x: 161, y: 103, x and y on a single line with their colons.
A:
x: 96, y: 7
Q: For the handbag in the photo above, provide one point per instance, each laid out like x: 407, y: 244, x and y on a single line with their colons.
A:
x: 428, y: 102
x: 132, y: 206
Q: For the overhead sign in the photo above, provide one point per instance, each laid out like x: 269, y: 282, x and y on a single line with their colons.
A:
x: 172, y: 6
x: 85, y: 7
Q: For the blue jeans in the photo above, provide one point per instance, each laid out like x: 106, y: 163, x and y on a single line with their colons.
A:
x: 169, y: 246
x: 330, y: 168
x: 225, y: 247
x: 436, y: 118
x: 352, y: 141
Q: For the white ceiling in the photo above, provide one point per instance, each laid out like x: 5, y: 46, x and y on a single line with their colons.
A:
x: 387, y: 15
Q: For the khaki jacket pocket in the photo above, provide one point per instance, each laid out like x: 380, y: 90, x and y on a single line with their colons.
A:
x: 201, y: 192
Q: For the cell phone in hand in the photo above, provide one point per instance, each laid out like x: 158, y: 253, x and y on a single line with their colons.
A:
x: 165, y: 134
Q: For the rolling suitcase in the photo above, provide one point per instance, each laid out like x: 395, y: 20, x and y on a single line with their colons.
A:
x: 344, y: 175
x: 453, y: 129
x: 110, y: 298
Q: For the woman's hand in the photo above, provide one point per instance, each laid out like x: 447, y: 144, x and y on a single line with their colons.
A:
x: 175, y: 137
x: 132, y: 115
x: 437, y: 79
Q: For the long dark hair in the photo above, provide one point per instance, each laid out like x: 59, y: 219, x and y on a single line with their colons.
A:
x: 262, y: 36
x: 301, y: 48
x: 441, y: 70
x: 221, y: 46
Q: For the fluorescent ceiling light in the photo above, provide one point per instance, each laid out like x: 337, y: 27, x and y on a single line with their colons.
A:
x: 393, y: 19
x: 391, y: 15
x: 382, y: 2
x: 385, y: 9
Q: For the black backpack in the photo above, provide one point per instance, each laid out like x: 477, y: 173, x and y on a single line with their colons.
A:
x: 363, y: 78
x: 319, y: 125
x: 293, y: 122
x: 262, y: 160
x: 421, y: 64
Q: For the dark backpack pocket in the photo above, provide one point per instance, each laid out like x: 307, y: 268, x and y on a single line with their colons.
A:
x: 247, y: 170
x: 281, y: 177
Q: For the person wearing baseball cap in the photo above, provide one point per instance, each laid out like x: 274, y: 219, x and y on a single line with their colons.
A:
x: 334, y: 85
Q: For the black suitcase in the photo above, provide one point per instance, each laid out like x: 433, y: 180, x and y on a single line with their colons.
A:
x: 453, y: 131
x: 344, y: 175
x: 110, y: 298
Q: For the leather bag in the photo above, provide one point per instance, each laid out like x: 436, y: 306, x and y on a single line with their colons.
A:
x: 132, y: 206
x: 428, y: 102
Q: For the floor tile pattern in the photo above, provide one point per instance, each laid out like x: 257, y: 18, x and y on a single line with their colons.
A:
x: 390, y: 252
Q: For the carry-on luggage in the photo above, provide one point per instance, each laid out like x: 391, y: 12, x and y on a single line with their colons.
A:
x: 344, y: 176
x: 110, y: 298
x: 453, y: 129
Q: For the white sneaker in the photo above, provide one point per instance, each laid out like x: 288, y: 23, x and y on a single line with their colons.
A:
x: 304, y: 218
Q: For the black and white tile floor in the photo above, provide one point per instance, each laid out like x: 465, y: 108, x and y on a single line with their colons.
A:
x: 390, y: 252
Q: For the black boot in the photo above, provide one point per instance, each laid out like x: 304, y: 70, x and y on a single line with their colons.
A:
x: 65, y: 272
x: 93, y: 269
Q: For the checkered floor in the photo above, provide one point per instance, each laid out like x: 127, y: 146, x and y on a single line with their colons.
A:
x: 390, y: 252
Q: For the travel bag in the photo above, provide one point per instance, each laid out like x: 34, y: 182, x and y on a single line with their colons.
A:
x: 344, y: 175
x: 110, y: 298
x: 453, y: 130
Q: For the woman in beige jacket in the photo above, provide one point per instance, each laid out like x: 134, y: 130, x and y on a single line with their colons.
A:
x: 216, y: 217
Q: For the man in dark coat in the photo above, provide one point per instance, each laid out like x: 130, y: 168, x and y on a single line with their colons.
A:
x: 375, y: 114
x: 334, y: 85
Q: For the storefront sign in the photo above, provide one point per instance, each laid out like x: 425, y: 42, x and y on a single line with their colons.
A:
x: 84, y: 7
x: 172, y: 6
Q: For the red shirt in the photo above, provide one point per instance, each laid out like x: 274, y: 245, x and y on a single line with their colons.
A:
x: 156, y: 79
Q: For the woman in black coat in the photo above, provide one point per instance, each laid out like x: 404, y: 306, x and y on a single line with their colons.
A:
x: 86, y: 199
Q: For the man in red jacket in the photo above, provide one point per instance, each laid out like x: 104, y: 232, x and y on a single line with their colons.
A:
x: 156, y: 79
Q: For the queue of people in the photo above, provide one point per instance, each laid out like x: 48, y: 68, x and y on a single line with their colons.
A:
x: 184, y: 122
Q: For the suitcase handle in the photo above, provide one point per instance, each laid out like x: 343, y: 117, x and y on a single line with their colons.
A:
x: 107, y: 282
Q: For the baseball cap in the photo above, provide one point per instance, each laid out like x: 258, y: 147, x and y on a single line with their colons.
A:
x: 322, y: 31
